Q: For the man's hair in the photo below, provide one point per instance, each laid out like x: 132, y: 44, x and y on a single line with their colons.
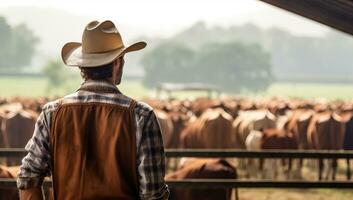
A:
x: 97, y: 73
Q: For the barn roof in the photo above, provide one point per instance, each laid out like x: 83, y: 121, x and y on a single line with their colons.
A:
x: 337, y: 14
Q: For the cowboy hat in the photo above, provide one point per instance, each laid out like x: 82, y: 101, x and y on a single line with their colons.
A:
x: 101, y: 44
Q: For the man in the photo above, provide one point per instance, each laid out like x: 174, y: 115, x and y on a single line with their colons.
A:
x: 96, y: 143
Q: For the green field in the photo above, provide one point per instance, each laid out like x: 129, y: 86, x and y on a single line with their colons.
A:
x: 35, y: 87
x: 310, y: 90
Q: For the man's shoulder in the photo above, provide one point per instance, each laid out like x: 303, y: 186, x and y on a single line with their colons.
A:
x: 143, y: 108
x: 83, y: 97
x: 51, y: 105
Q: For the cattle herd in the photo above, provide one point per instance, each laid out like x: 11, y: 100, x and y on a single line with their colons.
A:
x: 227, y: 123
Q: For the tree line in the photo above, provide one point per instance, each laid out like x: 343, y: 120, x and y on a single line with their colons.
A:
x: 231, y: 66
x: 17, y: 46
x: 292, y: 56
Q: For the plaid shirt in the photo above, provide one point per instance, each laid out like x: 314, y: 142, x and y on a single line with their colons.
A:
x: 150, y: 151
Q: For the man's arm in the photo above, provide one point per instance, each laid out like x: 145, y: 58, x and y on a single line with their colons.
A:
x: 150, y: 159
x: 36, y: 164
x: 32, y: 194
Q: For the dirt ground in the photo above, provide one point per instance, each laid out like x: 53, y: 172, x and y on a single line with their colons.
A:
x: 308, y: 173
x: 295, y: 194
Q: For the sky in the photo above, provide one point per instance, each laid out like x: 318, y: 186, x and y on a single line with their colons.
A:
x: 165, y: 17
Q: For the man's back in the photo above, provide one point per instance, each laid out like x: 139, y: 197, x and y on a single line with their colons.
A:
x: 98, y: 144
x: 94, y: 146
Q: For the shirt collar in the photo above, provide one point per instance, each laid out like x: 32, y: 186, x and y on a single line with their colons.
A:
x: 99, y: 86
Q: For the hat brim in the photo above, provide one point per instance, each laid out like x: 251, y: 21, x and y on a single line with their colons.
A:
x: 72, y: 55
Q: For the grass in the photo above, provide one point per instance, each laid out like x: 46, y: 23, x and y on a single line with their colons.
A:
x: 134, y: 89
x: 35, y: 87
x: 312, y: 90
x: 29, y: 87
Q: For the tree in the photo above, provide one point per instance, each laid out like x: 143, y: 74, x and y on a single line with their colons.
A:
x: 230, y: 66
x: 17, y: 45
x: 61, y: 79
x: 23, y: 45
x: 5, y: 41
x: 234, y: 66
x: 167, y: 63
x: 57, y: 76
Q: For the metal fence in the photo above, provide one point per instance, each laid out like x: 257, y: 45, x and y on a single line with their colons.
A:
x: 231, y: 153
x: 228, y: 153
x: 235, y: 153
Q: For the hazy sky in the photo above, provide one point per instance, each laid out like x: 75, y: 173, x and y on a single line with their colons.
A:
x: 164, y: 17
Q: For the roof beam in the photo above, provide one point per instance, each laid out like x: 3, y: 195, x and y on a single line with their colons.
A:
x: 337, y: 14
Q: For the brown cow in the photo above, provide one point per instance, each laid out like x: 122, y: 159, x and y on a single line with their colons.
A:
x: 269, y: 139
x: 34, y: 104
x: 203, y: 169
x: 298, y: 125
x: 245, y: 104
x: 8, y: 193
x: 248, y: 121
x: 2, y: 101
x: 251, y: 120
x: 230, y: 106
x: 12, y: 193
x: 280, y: 108
x: 156, y: 103
x: 278, y: 139
x: 202, y: 104
x: 5, y: 109
x: 166, y: 127
x: 180, y: 120
x: 326, y: 132
x: 213, y: 129
x: 11, y: 107
x: 348, y: 138
x: 346, y: 107
x: 17, y: 128
x: 2, y: 118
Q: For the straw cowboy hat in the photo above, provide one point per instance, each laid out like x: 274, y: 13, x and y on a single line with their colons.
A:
x: 101, y: 44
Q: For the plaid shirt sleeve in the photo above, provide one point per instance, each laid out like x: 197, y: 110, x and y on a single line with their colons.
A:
x: 36, y: 164
x: 150, y: 158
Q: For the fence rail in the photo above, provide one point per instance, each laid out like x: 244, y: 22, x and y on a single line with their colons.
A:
x: 234, y: 153
x: 230, y: 183
x: 12, y: 152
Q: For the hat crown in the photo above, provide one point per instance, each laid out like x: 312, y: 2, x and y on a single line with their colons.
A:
x: 101, y: 44
x: 101, y: 37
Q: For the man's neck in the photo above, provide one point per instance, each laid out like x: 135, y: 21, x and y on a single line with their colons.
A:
x: 109, y: 80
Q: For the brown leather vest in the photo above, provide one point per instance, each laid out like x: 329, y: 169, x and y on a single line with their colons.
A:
x: 94, y: 152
